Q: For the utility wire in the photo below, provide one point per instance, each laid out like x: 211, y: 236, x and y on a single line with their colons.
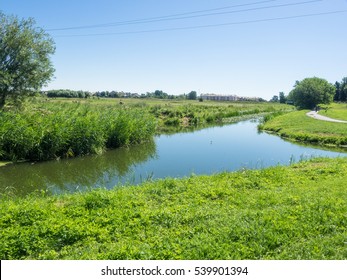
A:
x: 144, y: 20
x: 205, y: 26
x: 184, y: 15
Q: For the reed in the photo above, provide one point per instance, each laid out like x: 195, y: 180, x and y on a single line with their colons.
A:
x: 51, y: 131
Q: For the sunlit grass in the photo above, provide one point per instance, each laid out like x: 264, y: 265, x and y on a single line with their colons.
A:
x: 295, y: 212
x: 335, y: 111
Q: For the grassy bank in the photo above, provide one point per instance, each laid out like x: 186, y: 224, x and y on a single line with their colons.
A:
x: 299, y: 127
x: 295, y: 212
x: 49, y: 129
x: 335, y: 111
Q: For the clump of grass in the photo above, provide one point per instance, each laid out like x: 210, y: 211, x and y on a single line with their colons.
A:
x: 51, y: 131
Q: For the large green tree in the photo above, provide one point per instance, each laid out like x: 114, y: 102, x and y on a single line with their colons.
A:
x: 25, y: 65
x: 310, y: 92
x: 192, y: 95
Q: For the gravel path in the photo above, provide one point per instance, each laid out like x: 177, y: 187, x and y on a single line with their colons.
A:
x: 315, y: 115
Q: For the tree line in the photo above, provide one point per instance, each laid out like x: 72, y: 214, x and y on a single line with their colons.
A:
x: 67, y: 93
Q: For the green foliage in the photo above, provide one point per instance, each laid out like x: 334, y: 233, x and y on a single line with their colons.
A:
x: 192, y: 95
x: 68, y: 93
x: 274, y: 99
x: 25, y: 64
x: 200, y: 114
x: 310, y: 92
x: 341, y: 91
x: 295, y: 212
x: 47, y: 131
x: 282, y: 97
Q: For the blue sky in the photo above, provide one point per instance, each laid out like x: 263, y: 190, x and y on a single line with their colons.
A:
x: 247, y: 48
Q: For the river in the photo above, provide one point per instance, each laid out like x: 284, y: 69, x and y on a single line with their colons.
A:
x: 207, y: 151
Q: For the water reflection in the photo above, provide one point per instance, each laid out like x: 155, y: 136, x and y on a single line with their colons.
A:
x: 70, y: 175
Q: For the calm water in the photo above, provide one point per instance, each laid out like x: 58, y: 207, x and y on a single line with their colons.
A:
x: 207, y: 151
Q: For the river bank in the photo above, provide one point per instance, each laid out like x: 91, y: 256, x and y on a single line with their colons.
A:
x: 299, y: 127
x: 295, y: 212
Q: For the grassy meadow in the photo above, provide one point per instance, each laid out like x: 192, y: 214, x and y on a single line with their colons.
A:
x: 295, y: 212
x: 299, y: 127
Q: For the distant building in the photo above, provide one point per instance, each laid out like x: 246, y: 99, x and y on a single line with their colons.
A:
x: 219, y: 97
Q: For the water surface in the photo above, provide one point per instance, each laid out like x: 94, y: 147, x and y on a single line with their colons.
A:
x: 207, y: 151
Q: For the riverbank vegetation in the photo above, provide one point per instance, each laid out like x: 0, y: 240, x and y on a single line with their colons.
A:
x: 299, y: 127
x: 42, y: 131
x: 295, y: 212
x: 47, y: 129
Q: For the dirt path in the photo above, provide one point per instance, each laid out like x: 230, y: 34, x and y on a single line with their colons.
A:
x: 315, y: 115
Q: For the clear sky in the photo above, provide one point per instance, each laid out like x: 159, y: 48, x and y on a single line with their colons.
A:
x: 248, y: 48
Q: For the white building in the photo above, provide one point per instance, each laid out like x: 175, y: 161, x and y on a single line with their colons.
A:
x: 218, y: 97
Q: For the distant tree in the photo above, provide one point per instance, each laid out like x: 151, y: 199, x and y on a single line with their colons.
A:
x: 67, y: 93
x: 282, y: 97
x: 337, y: 91
x: 343, y: 90
x: 274, y: 98
x: 192, y: 95
x: 25, y: 64
x: 310, y: 92
x: 160, y: 94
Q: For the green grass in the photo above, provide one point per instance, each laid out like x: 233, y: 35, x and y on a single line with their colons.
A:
x: 43, y: 131
x: 299, y: 127
x: 295, y: 212
x: 335, y: 111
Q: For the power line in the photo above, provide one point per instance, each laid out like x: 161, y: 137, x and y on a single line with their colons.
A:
x: 144, y: 20
x: 205, y: 26
x: 184, y: 15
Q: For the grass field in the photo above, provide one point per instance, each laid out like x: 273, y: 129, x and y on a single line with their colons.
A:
x: 335, y: 111
x: 299, y: 127
x: 295, y: 212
